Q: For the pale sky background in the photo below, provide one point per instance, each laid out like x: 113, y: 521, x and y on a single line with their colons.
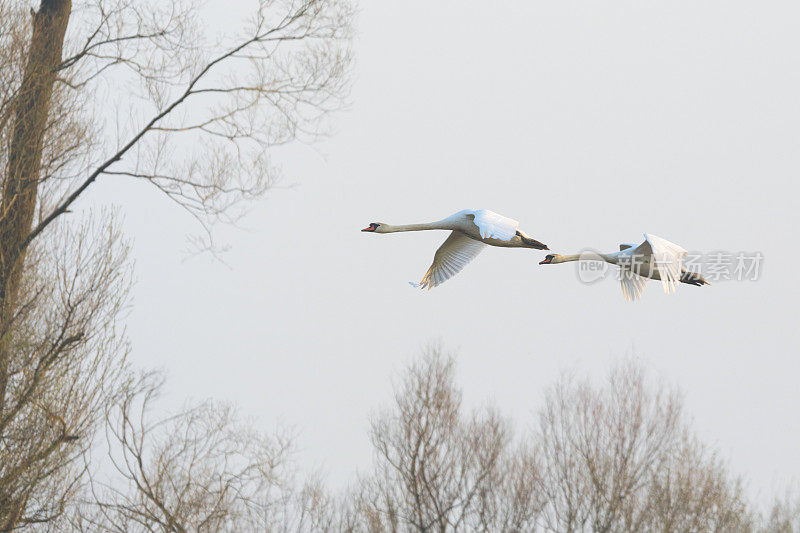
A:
x: 590, y: 123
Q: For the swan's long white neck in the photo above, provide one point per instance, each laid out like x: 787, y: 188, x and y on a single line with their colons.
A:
x: 389, y: 228
x: 594, y: 256
x: 566, y: 258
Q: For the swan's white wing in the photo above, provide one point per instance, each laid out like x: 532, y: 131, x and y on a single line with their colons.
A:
x: 452, y: 256
x: 666, y: 256
x: 632, y: 284
x: 494, y: 226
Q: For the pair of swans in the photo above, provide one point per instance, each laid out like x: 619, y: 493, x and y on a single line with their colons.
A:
x: 472, y: 230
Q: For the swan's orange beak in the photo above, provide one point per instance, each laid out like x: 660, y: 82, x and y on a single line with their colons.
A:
x: 547, y: 260
x: 368, y: 228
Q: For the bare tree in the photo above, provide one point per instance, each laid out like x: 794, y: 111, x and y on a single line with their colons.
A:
x: 621, y: 458
x: 618, y: 457
x: 204, y: 116
x: 200, y: 469
x: 783, y: 516
x: 439, y: 470
x: 64, y: 354
x: 194, y: 119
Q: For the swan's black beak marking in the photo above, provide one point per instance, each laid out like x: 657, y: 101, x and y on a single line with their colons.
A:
x: 547, y: 260
x: 371, y: 227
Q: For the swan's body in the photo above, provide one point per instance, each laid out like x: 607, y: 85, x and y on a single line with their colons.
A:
x: 471, y: 231
x: 654, y: 258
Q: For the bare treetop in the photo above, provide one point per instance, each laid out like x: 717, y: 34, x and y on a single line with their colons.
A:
x: 197, y: 119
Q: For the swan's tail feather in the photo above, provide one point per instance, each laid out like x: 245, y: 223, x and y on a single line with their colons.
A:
x: 693, y: 278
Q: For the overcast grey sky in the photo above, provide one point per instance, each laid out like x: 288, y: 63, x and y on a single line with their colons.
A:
x: 590, y: 123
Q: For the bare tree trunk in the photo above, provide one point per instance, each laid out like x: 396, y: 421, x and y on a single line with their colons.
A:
x: 18, y: 203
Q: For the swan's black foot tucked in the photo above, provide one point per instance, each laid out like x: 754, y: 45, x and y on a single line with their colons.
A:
x: 693, y: 278
x: 533, y: 243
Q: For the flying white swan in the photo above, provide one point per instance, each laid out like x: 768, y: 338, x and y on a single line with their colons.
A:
x: 655, y: 258
x: 471, y: 231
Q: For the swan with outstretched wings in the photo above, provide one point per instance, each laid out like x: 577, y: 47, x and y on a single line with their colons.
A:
x: 654, y: 258
x: 470, y: 232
